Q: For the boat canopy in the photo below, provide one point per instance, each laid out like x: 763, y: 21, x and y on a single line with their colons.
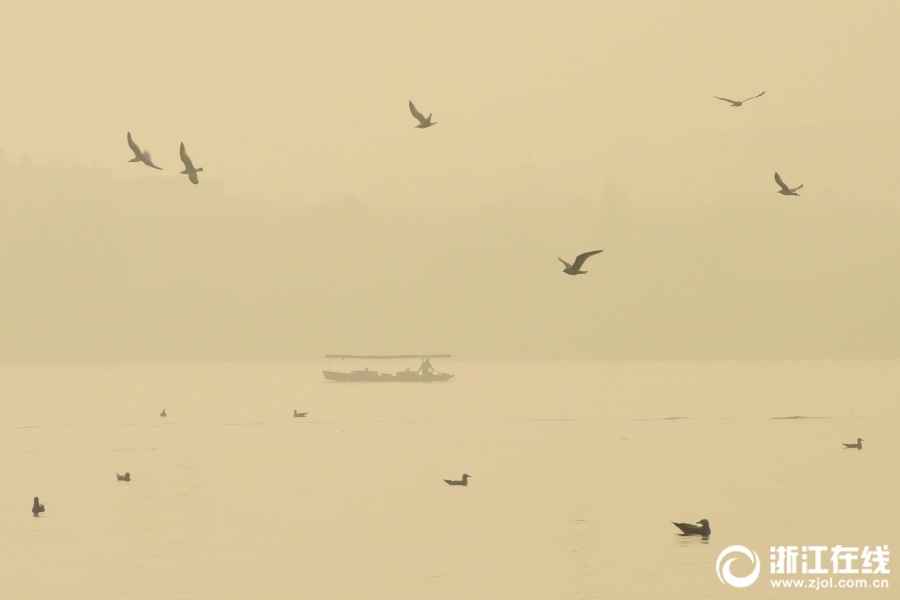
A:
x: 376, y: 356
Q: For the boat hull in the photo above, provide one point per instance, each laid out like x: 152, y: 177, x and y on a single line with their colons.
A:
x: 385, y: 377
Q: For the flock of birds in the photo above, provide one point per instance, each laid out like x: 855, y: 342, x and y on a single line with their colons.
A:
x: 575, y: 268
x: 37, y: 508
x: 701, y: 528
x: 143, y: 156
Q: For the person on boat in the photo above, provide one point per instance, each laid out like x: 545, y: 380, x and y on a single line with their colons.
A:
x: 426, y: 368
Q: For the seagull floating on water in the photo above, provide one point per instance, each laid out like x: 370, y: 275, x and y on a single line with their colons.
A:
x: 140, y: 156
x: 38, y: 508
x: 785, y: 190
x: 163, y: 413
x: 463, y: 481
x: 736, y: 103
x: 689, y: 529
x: 125, y: 477
x: 857, y: 445
x: 189, y: 169
x: 575, y: 269
x: 298, y: 414
x: 423, y: 122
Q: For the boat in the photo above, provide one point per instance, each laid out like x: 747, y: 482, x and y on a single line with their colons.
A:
x: 425, y: 372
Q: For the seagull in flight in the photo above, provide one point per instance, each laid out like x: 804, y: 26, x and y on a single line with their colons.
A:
x: 785, y: 190
x: 423, y: 122
x: 189, y: 169
x: 736, y: 103
x: 857, y: 445
x: 575, y: 269
x: 140, y: 156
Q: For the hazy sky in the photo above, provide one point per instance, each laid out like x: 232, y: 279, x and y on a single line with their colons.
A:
x: 385, y: 238
x: 275, y: 98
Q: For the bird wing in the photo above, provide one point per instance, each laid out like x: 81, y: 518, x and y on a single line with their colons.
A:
x: 781, y: 183
x: 797, y: 188
x: 148, y: 160
x: 193, y: 177
x: 725, y: 99
x: 416, y: 113
x: 188, y: 165
x: 134, y: 147
x: 751, y: 98
x: 568, y: 266
x: 579, y: 260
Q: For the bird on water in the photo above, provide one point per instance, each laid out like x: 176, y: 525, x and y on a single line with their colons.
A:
x: 701, y: 528
x: 37, y: 508
x: 575, y: 269
x: 140, y: 156
x: 125, y: 477
x: 299, y: 414
x: 423, y: 122
x: 857, y: 445
x: 736, y: 103
x: 785, y: 190
x: 189, y: 169
x: 163, y: 413
x: 463, y: 481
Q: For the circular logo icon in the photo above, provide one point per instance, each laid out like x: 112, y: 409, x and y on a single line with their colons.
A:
x: 724, y: 571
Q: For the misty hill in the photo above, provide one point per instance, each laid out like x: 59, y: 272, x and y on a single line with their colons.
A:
x: 96, y: 268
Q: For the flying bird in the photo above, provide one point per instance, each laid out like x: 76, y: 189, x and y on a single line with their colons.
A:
x: 189, y: 169
x: 737, y: 103
x: 140, y: 156
x: 702, y: 528
x: 575, y: 269
x: 463, y: 481
x: 785, y: 190
x: 423, y: 122
x: 857, y: 445
x: 299, y: 414
x: 163, y: 413
x: 37, y: 508
x: 125, y: 477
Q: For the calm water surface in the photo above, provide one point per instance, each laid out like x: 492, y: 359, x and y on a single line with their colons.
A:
x: 577, y: 470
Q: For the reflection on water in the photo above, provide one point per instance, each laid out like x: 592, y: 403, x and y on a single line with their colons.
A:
x: 797, y: 417
x: 580, y: 469
x: 688, y: 540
